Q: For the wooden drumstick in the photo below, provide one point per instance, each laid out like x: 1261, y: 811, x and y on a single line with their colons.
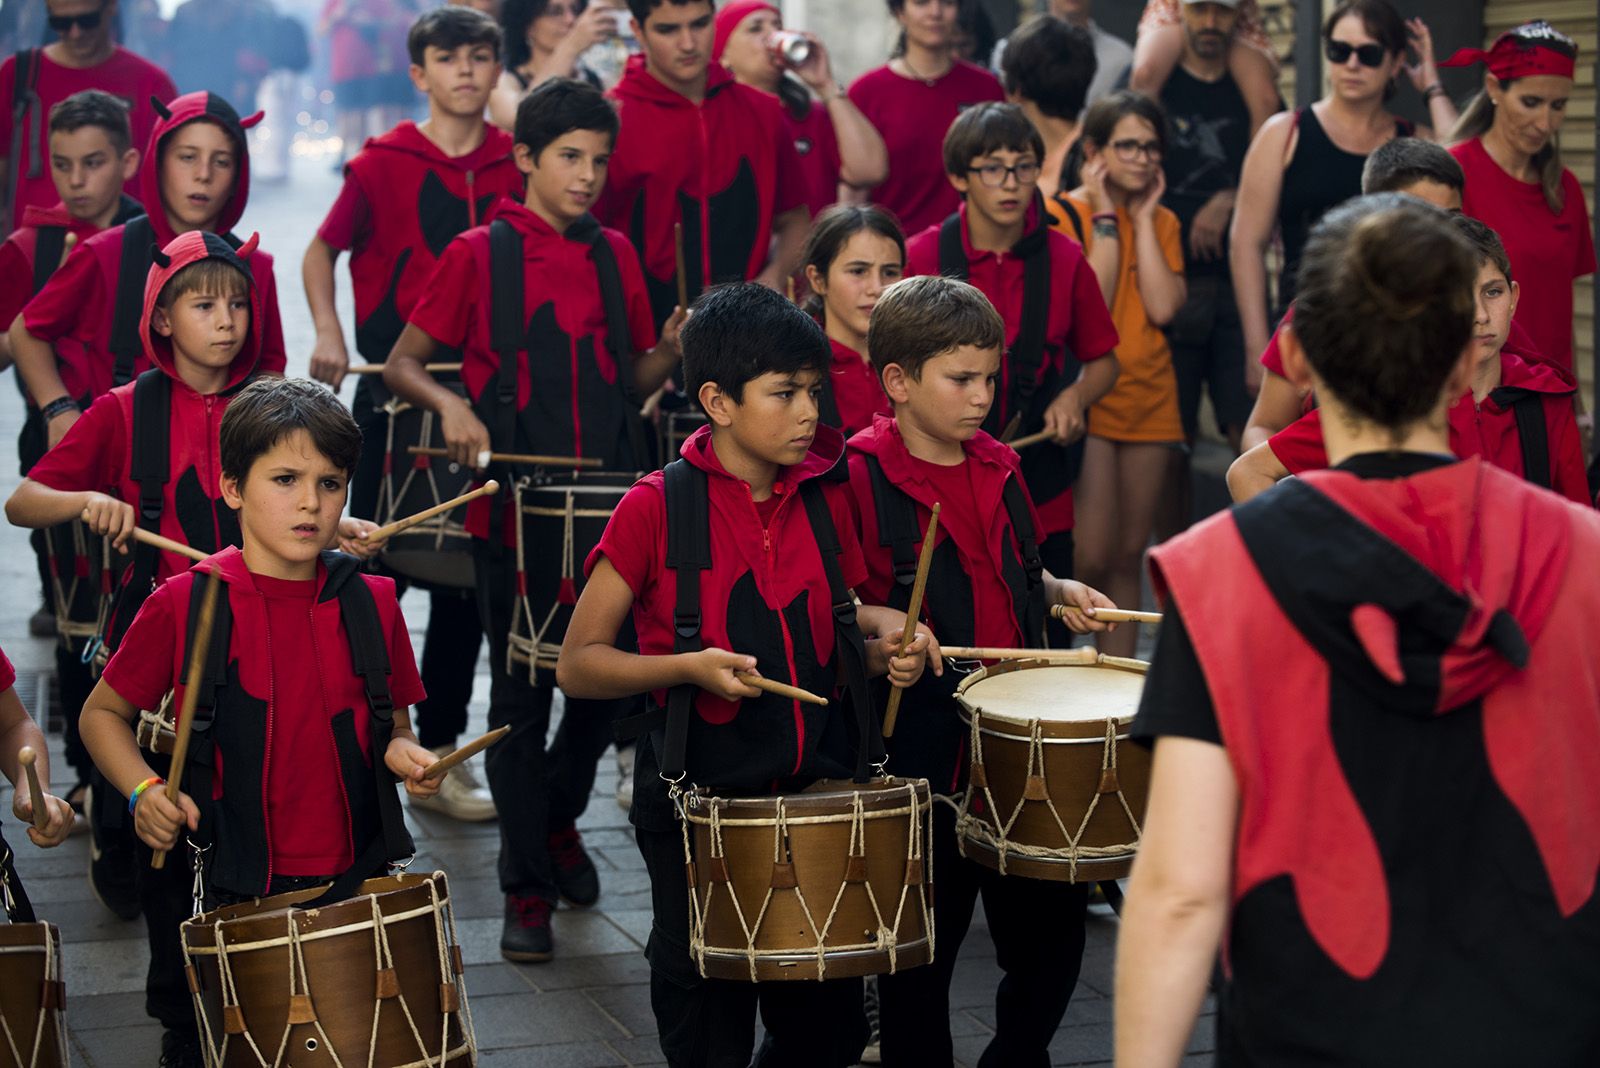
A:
x: 1031, y: 439
x: 466, y: 752
x: 683, y: 269
x: 781, y: 689
x: 377, y: 368
x: 1106, y: 615
x: 26, y: 757
x: 167, y: 544
x: 913, y: 611
x: 531, y: 459
x: 1011, y: 428
x: 389, y: 530
x: 1084, y: 657
x: 191, y: 694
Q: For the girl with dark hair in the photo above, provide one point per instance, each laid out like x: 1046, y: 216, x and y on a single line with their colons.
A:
x: 545, y: 39
x: 1134, y: 246
x: 854, y: 253
x: 1509, y: 149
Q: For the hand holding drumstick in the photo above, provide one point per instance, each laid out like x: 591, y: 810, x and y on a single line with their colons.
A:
x: 1078, y: 599
x: 48, y: 818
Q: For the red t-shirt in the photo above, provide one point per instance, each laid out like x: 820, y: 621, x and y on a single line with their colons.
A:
x: 857, y: 393
x: 913, y: 117
x: 123, y: 74
x: 817, y: 146
x: 8, y: 674
x: 1548, y: 252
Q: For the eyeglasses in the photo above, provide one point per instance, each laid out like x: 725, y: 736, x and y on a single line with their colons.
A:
x: 1339, y: 53
x: 64, y: 23
x: 994, y: 175
x: 1129, y: 150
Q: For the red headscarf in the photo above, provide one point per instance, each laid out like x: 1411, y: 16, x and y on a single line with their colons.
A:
x: 1522, y: 53
x: 729, y: 17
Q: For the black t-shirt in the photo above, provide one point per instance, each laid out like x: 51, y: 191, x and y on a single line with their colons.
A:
x: 1209, y: 135
x: 1176, y: 698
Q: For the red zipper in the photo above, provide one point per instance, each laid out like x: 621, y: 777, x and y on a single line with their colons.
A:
x: 211, y: 474
x: 266, y: 745
x: 472, y: 202
x: 344, y: 794
x: 705, y: 202
x: 783, y: 626
x: 577, y: 416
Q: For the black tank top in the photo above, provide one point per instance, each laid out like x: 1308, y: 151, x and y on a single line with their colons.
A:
x: 1320, y: 177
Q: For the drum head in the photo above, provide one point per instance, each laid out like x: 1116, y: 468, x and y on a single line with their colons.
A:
x: 1053, y: 693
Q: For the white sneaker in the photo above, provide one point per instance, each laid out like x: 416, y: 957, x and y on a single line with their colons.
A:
x: 462, y: 796
x: 625, y: 778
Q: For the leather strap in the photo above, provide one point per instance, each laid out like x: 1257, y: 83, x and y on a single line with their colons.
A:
x: 128, y: 308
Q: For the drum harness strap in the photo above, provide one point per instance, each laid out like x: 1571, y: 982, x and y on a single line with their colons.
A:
x: 370, y: 657
x: 1528, y: 409
x: 18, y: 908
x: 27, y: 119
x: 688, y: 500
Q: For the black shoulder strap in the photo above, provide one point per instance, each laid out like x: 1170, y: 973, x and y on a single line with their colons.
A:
x: 132, y: 271
x: 27, y: 118
x: 1030, y: 615
x: 13, y: 897
x: 897, y: 532
x: 507, y: 329
x: 48, y: 245
x: 200, y: 771
x: 149, y: 467
x: 1027, y: 353
x: 688, y: 553
x: 619, y: 338
x: 1064, y: 202
x: 952, y: 254
x: 1534, y: 436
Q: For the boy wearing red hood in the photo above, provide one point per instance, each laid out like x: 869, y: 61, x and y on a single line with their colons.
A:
x: 1376, y: 714
x: 554, y: 362
x: 700, y: 151
x: 79, y: 336
x: 1517, y: 414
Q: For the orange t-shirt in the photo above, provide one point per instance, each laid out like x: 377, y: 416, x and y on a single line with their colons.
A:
x: 1143, y: 405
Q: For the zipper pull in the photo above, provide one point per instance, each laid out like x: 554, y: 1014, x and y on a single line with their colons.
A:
x: 472, y: 203
x: 766, y: 540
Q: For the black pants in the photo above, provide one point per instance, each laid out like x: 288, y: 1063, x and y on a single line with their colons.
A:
x: 1056, y: 554
x: 166, y: 898
x: 536, y: 790
x: 1038, y: 932
x: 710, y: 1023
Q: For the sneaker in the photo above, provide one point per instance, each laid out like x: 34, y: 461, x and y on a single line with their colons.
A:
x: 42, y: 624
x: 525, y: 935
x: 113, y: 872
x: 625, y: 777
x: 576, y: 878
x: 77, y: 799
x: 872, y: 1054
x: 180, y: 1049
x: 462, y: 796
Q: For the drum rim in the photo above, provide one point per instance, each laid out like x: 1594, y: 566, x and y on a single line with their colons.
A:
x: 213, y: 922
x: 1090, y: 731
x: 885, y: 798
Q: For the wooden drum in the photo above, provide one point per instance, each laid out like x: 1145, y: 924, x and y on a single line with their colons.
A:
x: 373, y: 980
x: 437, y: 552
x: 832, y: 882
x: 1055, y: 790
x: 33, y: 1029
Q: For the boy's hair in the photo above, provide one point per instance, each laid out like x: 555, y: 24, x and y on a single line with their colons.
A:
x: 270, y: 409
x: 1384, y: 305
x: 449, y: 28
x: 1405, y: 161
x: 559, y: 106
x: 740, y: 332
x: 640, y: 9
x: 92, y: 107
x: 214, y: 276
x: 1050, y: 63
x: 1486, y: 241
x: 919, y: 318
x: 987, y: 128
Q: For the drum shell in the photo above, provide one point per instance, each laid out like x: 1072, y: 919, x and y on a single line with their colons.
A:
x: 30, y: 976
x: 84, y: 576
x: 819, y: 853
x: 436, y: 552
x: 341, y: 976
x: 1073, y: 754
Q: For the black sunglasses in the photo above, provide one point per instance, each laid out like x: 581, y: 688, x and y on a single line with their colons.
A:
x: 1370, y: 55
x: 64, y: 23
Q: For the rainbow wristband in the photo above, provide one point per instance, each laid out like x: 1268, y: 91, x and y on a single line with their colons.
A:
x: 138, y: 791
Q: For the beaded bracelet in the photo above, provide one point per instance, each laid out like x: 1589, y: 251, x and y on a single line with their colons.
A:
x: 138, y: 791
x: 1103, y: 215
x: 59, y: 406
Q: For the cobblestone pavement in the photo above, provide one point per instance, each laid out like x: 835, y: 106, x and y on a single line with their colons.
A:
x: 590, y: 1007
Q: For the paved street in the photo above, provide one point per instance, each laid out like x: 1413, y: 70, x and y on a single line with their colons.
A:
x: 590, y: 1007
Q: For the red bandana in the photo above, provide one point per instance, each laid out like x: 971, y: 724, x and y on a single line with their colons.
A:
x: 1519, y: 54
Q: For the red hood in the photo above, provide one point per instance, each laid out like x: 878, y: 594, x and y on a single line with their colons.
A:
x: 1529, y: 372
x: 187, y: 108
x: 230, y: 563
x: 179, y: 253
x: 882, y: 440
x: 826, y: 448
x: 411, y: 141
x: 639, y: 85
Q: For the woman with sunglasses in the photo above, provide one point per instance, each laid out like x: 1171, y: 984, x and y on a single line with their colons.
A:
x: 1135, y: 248
x: 1516, y: 183
x: 1306, y: 161
x: 544, y: 40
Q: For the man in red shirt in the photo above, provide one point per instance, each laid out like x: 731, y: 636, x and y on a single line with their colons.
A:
x: 85, y: 57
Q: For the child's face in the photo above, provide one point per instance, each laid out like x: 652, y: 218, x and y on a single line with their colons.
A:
x: 1444, y: 197
x: 868, y: 264
x: 199, y: 162
x: 459, y: 80
x: 677, y: 40
x: 1132, y: 154
x: 206, y: 329
x: 1496, y: 301
x: 289, y: 504
x: 566, y: 179
x: 776, y: 418
x: 88, y: 171
x: 949, y: 401
x: 999, y: 187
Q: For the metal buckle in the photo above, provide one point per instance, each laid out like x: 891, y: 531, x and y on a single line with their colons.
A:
x: 197, y: 890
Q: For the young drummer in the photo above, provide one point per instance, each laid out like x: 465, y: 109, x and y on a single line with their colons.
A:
x: 775, y: 601
x: 700, y: 151
x: 937, y: 344
x: 1001, y: 241
x: 80, y: 335
x: 18, y: 729
x: 1396, y: 736
x: 565, y: 384
x: 406, y: 195
x: 1517, y: 413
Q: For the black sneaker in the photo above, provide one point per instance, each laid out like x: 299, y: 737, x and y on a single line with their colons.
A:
x: 873, y: 1053
x: 113, y: 863
x: 526, y: 933
x: 42, y: 624
x: 576, y: 877
x: 180, y: 1049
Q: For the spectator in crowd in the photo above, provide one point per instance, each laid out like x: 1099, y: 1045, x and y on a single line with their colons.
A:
x: 228, y: 46
x: 1162, y: 45
x: 546, y: 39
x: 368, y: 67
x: 1047, y: 70
x: 1113, y: 57
x: 975, y: 37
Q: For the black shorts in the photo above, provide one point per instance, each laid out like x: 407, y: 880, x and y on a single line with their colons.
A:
x: 1208, y: 351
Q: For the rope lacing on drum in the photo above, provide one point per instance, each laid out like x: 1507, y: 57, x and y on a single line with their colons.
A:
x: 533, y: 649
x: 49, y: 998
x: 990, y: 832
x: 440, y: 526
